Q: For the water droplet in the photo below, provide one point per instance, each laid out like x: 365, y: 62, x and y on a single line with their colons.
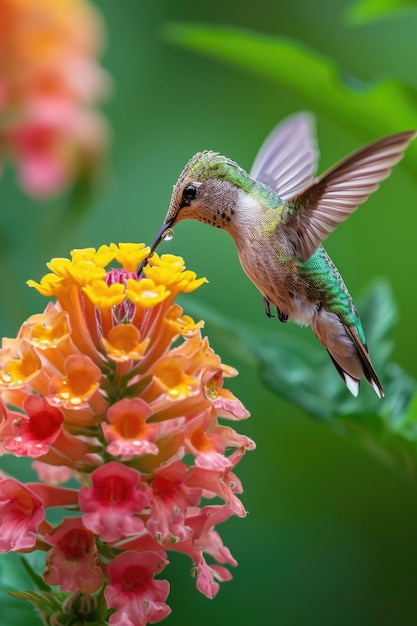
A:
x: 168, y: 234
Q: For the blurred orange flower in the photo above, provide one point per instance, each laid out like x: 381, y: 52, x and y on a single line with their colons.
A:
x: 49, y: 83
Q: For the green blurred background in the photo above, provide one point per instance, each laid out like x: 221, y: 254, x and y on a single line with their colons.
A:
x: 331, y: 535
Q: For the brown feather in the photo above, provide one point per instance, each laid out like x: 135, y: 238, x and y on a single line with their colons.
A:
x: 315, y: 212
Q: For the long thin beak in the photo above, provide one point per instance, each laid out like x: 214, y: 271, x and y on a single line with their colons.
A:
x: 154, y: 245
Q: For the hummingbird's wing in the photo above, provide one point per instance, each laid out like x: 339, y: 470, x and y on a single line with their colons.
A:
x: 287, y: 160
x: 315, y: 212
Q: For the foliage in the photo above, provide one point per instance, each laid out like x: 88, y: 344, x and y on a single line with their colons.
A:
x: 365, y: 10
x: 370, y: 110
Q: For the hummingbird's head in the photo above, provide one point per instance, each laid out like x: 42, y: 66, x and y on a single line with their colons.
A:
x: 207, y: 190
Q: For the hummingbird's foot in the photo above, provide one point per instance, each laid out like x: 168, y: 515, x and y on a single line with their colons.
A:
x: 267, y: 306
x: 283, y: 317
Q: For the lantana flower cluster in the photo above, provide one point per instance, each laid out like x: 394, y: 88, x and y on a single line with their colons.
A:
x: 114, y: 388
x: 49, y: 84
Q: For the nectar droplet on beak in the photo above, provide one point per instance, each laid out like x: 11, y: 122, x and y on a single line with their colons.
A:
x: 168, y: 234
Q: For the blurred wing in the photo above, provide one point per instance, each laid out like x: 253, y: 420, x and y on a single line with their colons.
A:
x: 287, y: 160
x: 315, y: 213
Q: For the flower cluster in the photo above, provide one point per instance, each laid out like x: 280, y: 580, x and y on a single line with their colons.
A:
x: 114, y: 387
x: 49, y: 82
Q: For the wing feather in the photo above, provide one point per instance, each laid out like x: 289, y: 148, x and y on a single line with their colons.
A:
x: 315, y: 212
x: 287, y: 160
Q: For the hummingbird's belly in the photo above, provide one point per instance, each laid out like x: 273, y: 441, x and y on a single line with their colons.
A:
x: 283, y: 287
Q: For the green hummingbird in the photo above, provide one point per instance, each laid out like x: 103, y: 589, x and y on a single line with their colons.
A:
x: 278, y: 216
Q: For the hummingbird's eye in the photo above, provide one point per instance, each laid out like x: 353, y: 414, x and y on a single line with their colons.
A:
x: 189, y: 194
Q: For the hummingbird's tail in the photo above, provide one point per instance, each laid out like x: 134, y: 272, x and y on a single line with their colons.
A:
x: 349, y: 355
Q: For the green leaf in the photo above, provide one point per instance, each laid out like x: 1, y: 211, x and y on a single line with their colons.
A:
x: 374, y: 434
x: 363, y: 11
x: 34, y: 576
x: 44, y: 602
x: 407, y: 424
x: 305, y: 376
x: 370, y: 110
x: 67, y: 608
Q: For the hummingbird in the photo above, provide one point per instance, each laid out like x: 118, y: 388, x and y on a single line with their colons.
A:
x: 278, y: 216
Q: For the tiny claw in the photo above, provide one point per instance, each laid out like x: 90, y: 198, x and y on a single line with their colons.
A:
x: 267, y: 306
x: 283, y: 317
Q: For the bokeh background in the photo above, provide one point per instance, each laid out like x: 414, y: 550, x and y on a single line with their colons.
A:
x: 331, y: 533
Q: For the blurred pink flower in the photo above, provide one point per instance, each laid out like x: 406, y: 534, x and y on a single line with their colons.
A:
x: 49, y: 83
x: 52, y: 475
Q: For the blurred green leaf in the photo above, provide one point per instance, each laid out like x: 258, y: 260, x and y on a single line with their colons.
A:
x: 44, y: 602
x: 56, y: 607
x: 306, y: 377
x: 12, y: 578
x: 370, y: 110
x: 34, y: 576
x: 408, y: 422
x: 367, y: 10
x: 12, y: 575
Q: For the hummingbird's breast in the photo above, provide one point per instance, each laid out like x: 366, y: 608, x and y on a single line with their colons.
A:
x: 276, y: 276
x: 268, y: 259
